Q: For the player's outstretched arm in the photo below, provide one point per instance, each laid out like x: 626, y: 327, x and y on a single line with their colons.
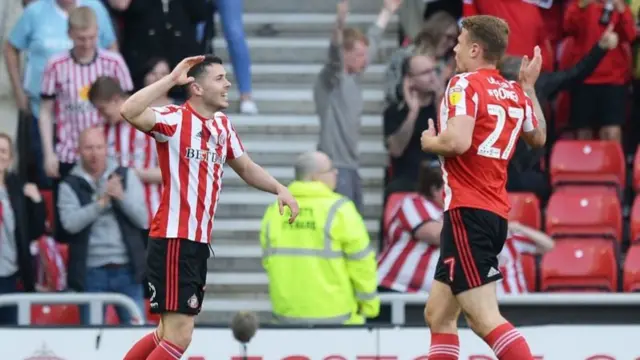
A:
x: 453, y: 141
x: 256, y: 176
x: 535, y: 136
x: 136, y: 108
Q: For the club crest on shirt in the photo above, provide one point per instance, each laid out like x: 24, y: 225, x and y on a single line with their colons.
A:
x: 455, y: 95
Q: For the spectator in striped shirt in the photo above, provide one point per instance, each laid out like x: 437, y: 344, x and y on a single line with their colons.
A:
x: 65, y: 88
x: 127, y: 145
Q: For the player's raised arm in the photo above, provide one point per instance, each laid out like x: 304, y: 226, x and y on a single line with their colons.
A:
x: 534, y: 128
x: 136, y: 108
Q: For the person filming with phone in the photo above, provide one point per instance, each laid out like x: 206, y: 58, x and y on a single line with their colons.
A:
x: 406, y: 119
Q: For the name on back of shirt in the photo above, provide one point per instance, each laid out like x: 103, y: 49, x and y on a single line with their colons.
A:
x: 504, y: 92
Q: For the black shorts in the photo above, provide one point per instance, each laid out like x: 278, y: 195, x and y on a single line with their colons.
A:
x: 470, y: 242
x: 176, y: 275
x: 593, y: 106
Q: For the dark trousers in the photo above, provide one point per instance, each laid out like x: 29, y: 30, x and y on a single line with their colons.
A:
x: 9, y: 314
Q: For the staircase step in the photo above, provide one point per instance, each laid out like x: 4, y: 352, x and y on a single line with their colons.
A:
x: 294, y: 50
x: 220, y: 309
x: 248, y: 230
x: 295, y: 74
x: 372, y: 178
x: 295, y: 124
x: 233, y: 249
x: 297, y: 6
x: 370, y: 159
x: 237, y: 282
x: 305, y: 24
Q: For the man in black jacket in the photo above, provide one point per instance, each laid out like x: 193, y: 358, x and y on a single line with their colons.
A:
x: 521, y: 175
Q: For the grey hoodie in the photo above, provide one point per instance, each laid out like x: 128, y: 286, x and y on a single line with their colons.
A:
x: 105, y: 240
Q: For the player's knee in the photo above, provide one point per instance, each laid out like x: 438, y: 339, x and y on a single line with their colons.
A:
x: 178, y: 329
x: 438, y: 319
x: 482, y: 323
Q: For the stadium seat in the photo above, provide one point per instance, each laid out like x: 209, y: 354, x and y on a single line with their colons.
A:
x: 111, y: 316
x: 585, y: 214
x: 636, y: 170
x: 529, y: 271
x: 525, y: 209
x: 578, y: 265
x: 153, y: 319
x: 631, y: 270
x: 588, y: 162
x: 634, y: 221
x: 55, y: 315
x: 47, y: 197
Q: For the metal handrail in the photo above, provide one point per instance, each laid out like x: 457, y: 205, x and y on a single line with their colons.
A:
x: 96, y: 303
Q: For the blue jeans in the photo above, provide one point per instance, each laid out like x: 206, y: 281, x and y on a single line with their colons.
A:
x: 9, y: 314
x: 233, y: 29
x: 116, y: 280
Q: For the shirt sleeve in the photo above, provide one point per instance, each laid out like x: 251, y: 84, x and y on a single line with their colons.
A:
x: 106, y: 33
x: 48, y: 85
x: 167, y: 118
x: 523, y: 244
x: 391, y: 121
x: 461, y: 98
x: 22, y: 31
x: 413, y: 213
x: 530, y: 122
x: 235, y: 149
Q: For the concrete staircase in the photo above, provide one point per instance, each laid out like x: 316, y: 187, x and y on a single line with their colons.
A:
x: 285, y: 65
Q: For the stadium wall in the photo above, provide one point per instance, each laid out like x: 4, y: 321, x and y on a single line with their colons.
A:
x: 553, y: 342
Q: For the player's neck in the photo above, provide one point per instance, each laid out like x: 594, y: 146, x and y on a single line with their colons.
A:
x: 483, y: 66
x: 201, y: 109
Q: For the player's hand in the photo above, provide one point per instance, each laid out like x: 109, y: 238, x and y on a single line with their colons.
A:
x: 427, y: 135
x: 530, y: 69
x: 342, y: 10
x: 609, y: 39
x: 179, y: 73
x: 411, y: 97
x: 392, y: 5
x: 51, y: 165
x: 286, y: 199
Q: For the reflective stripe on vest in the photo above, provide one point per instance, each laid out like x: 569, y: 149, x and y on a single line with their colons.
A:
x: 326, y: 252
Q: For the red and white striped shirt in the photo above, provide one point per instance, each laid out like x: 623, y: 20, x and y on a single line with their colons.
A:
x: 192, y: 151
x: 510, y: 259
x: 407, y: 264
x: 132, y: 148
x: 69, y: 82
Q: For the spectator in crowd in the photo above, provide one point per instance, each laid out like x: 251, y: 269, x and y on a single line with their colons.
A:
x: 321, y: 268
x: 405, y: 120
x: 438, y: 37
x: 522, y: 173
x: 65, y: 88
x: 232, y: 27
x: 22, y: 218
x: 413, y: 13
x: 156, y: 69
x: 41, y: 31
x: 526, y: 26
x: 164, y: 29
x: 411, y: 239
x: 521, y: 240
x: 601, y: 102
x: 338, y: 95
x: 102, y: 208
x: 126, y: 145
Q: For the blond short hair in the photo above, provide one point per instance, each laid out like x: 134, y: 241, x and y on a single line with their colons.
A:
x: 490, y: 32
x: 350, y: 36
x: 82, y: 17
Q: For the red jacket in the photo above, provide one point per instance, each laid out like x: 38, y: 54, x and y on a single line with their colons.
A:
x: 584, y: 26
x: 526, y: 27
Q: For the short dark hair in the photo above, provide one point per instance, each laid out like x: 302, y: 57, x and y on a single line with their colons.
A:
x: 492, y: 33
x: 198, y: 69
x: 105, y: 88
x: 429, y: 178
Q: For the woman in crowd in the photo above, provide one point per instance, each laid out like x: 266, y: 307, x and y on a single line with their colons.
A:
x: 22, y: 219
x: 232, y: 27
x: 154, y: 70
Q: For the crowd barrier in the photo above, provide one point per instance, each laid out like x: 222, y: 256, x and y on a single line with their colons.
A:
x: 554, y: 342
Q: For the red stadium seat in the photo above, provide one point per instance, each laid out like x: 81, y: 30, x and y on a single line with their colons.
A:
x: 525, y: 209
x: 579, y: 265
x: 47, y: 197
x: 151, y: 318
x: 529, y: 271
x: 55, y: 315
x: 111, y: 316
x: 631, y: 270
x: 634, y: 220
x: 587, y: 162
x: 588, y: 214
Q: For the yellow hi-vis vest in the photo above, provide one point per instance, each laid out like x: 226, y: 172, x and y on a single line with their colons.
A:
x: 321, y: 268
